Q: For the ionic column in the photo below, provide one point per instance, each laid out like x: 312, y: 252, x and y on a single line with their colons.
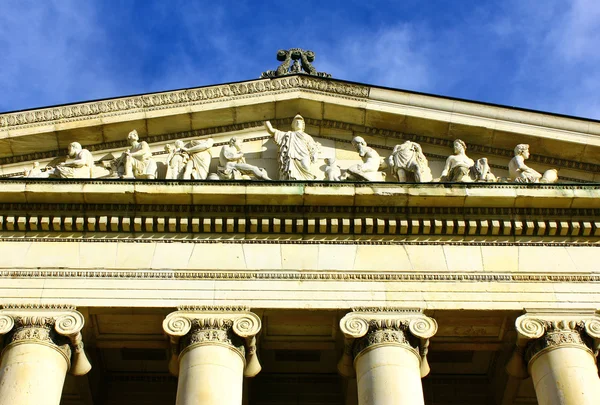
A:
x: 213, y: 349
x: 386, y: 350
x: 41, y: 344
x: 559, y: 351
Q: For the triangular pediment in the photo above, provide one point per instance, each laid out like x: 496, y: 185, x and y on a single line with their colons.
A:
x: 335, y: 112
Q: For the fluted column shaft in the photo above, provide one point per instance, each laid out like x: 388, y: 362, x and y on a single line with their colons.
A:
x: 387, y: 352
x: 212, y: 350
x: 559, y: 352
x: 41, y: 346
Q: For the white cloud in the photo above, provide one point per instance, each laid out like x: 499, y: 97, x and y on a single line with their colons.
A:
x: 392, y: 56
x: 51, y: 53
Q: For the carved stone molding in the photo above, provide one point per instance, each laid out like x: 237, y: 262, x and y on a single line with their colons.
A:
x: 179, y: 98
x: 542, y: 331
x: 365, y: 328
x: 232, y: 326
x: 56, y: 326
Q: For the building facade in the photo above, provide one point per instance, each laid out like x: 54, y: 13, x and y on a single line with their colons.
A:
x: 348, y: 251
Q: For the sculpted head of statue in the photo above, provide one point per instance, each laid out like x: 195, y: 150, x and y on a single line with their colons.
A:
x: 133, y: 136
x: 298, y: 123
x: 522, y: 149
x: 74, y: 149
x: 459, y: 146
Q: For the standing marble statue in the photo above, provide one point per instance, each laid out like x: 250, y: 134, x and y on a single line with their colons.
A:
x: 176, y: 160
x: 519, y: 172
x: 409, y: 158
x: 233, y: 166
x: 200, y: 156
x: 137, y: 161
x: 368, y: 170
x: 80, y: 167
x: 297, y: 150
x: 458, y: 166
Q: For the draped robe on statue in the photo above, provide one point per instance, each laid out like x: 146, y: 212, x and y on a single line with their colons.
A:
x: 297, y: 150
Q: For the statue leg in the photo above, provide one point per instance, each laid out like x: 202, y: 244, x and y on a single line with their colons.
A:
x: 187, y: 174
x: 128, y: 167
x: 401, y: 175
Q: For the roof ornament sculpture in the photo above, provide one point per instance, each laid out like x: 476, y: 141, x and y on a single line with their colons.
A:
x: 294, y: 61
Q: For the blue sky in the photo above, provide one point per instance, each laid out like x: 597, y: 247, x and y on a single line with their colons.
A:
x: 537, y: 54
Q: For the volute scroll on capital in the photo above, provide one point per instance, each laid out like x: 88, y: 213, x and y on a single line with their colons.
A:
x: 366, y: 328
x: 234, y: 327
x: 58, y: 327
x: 537, y: 334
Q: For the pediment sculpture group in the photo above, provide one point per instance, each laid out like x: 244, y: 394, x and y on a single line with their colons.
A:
x: 298, y: 151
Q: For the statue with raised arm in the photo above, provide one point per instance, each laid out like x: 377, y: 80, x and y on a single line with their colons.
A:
x: 233, y: 166
x: 368, y: 170
x: 200, y: 156
x: 408, y: 158
x: 137, y: 161
x: 519, y: 172
x: 458, y: 166
x: 297, y: 150
x: 78, y: 166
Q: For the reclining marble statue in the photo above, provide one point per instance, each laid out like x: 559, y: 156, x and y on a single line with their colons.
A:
x: 79, y: 165
x: 136, y: 162
x: 233, y: 166
x: 368, y: 170
x: 297, y: 150
x: 408, y: 158
x: 519, y: 172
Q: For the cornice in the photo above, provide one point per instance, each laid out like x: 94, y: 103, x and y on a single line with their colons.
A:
x: 179, y: 98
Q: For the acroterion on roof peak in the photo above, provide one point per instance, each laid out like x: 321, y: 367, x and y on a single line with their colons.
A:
x: 294, y: 61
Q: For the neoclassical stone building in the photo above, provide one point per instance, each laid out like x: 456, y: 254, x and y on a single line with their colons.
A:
x: 298, y: 239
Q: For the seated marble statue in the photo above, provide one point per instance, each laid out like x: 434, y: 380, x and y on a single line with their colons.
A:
x: 409, y: 158
x: 297, y: 150
x: 519, y: 172
x: 368, y: 170
x: 332, y: 170
x: 176, y: 160
x: 233, y: 166
x: 200, y: 156
x: 79, y: 165
x: 137, y: 162
x: 481, y: 171
x: 458, y: 166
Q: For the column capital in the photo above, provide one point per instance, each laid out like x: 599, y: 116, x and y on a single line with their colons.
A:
x: 55, y: 326
x: 541, y: 330
x: 366, y: 328
x: 232, y: 326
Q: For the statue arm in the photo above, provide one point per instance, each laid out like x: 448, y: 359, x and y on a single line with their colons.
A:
x: 270, y: 128
x: 144, y: 149
x: 447, y: 167
x: 200, y: 147
x: 232, y: 155
x: 81, y: 161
